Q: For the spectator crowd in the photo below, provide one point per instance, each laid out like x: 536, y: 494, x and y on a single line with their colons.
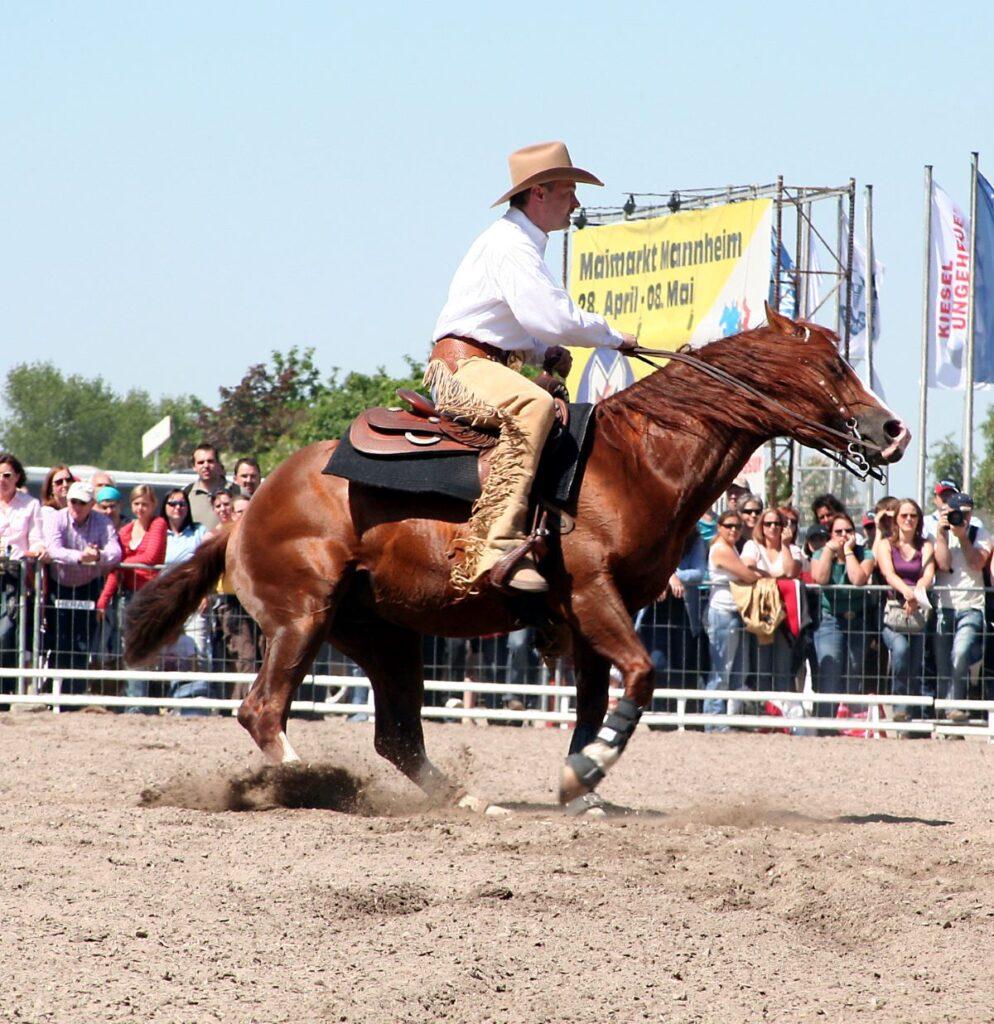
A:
x: 86, y: 553
x: 898, y: 604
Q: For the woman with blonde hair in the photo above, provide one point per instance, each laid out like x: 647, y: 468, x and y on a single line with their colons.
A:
x: 777, y: 558
x: 143, y: 544
x: 724, y: 624
x: 907, y: 562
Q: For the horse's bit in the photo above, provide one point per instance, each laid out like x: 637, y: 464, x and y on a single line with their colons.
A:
x: 854, y: 458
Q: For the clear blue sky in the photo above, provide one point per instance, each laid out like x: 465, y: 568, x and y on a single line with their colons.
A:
x: 186, y: 187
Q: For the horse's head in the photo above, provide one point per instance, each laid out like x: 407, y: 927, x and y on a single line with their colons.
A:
x: 827, y: 390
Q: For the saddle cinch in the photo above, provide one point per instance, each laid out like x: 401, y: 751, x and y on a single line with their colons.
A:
x: 424, y: 430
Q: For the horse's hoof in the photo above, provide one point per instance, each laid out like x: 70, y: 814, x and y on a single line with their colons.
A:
x: 590, y: 805
x: 468, y: 802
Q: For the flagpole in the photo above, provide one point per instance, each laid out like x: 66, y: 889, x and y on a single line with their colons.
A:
x: 849, y: 244
x: 968, y: 406
x: 926, y: 321
x: 871, y: 311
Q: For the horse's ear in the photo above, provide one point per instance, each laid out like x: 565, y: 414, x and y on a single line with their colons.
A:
x: 783, y: 324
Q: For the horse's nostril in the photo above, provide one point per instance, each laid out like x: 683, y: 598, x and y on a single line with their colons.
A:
x: 893, y: 428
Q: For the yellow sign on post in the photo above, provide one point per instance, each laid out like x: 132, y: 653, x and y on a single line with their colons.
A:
x: 688, y: 277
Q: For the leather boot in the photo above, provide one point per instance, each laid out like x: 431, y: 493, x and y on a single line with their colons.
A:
x: 526, y: 578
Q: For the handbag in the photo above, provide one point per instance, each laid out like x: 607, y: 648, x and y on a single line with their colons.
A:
x: 900, y: 621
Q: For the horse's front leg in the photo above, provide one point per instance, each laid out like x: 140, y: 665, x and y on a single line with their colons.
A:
x: 606, y: 628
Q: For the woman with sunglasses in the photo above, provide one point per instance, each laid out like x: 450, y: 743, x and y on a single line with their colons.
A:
x: 767, y: 551
x: 55, y: 489
x: 183, y: 537
x: 20, y: 539
x: 750, y: 510
x: 845, y: 614
x: 907, y: 562
x: 724, y: 625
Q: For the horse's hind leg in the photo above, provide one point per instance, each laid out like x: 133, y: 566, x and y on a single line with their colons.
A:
x: 289, y: 656
x: 391, y: 657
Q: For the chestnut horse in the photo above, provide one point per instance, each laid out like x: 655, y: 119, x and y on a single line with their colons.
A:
x: 316, y: 558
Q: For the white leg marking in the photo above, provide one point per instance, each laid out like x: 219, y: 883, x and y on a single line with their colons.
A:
x: 289, y: 754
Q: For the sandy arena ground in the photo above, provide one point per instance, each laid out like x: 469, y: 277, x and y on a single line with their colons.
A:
x: 755, y: 878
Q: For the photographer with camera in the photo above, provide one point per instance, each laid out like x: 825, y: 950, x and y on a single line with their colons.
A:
x: 962, y: 551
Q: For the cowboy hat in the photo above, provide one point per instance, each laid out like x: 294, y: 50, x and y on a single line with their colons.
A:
x: 545, y: 161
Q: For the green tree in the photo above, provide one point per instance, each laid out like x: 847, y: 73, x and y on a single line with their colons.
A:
x: 266, y: 406
x: 53, y: 417
x: 946, y: 460
x: 344, y: 399
x: 983, y: 477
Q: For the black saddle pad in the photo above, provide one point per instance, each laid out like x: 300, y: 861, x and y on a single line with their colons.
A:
x: 453, y: 474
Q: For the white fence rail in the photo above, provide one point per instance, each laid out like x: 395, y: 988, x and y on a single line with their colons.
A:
x: 558, y: 698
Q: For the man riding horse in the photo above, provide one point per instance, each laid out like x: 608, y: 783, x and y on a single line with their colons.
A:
x: 504, y: 308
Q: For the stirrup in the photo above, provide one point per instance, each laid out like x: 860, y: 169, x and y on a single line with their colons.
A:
x: 531, y: 548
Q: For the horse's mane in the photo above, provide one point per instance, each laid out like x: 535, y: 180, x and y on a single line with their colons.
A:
x: 763, y: 357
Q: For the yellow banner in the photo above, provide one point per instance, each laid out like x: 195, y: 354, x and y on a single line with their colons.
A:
x: 688, y: 277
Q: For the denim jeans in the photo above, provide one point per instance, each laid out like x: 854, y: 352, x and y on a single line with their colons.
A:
x: 775, y: 663
x: 907, y: 667
x: 724, y: 638
x: 839, y: 647
x: 958, y: 644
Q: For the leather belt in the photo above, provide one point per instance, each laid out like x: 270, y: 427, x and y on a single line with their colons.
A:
x: 452, y: 348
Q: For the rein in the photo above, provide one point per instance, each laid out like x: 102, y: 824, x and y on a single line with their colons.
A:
x: 854, y: 459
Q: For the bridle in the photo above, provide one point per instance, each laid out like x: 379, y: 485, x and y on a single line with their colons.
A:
x: 854, y: 456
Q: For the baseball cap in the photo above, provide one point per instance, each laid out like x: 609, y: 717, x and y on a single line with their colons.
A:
x: 80, y: 491
x: 960, y: 500
x: 869, y: 519
x: 945, y: 485
x: 108, y: 493
x: 816, y: 533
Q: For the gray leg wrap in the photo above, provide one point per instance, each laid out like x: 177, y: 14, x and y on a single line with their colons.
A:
x: 588, y: 771
x: 591, y: 764
x: 620, y: 724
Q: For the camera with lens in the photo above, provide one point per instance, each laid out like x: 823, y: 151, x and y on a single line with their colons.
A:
x: 960, y: 507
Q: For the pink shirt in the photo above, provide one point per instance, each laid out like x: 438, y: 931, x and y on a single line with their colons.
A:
x: 20, y: 526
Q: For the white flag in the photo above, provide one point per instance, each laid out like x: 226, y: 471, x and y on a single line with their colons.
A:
x: 812, y: 282
x: 857, y: 329
x: 950, y: 280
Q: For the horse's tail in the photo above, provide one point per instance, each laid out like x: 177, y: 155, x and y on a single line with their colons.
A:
x: 158, y: 611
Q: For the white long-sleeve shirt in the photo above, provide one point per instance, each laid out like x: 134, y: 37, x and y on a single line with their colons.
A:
x: 20, y: 526
x: 503, y: 294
